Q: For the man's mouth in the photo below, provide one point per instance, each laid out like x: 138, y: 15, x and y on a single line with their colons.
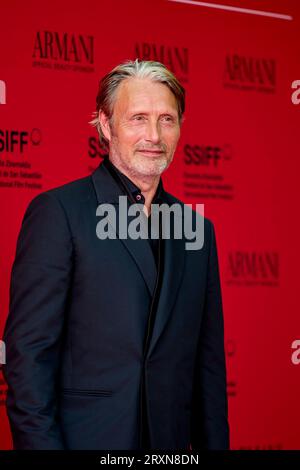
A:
x: 151, y: 152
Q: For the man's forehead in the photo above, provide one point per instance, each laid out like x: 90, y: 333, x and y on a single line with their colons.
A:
x: 133, y: 89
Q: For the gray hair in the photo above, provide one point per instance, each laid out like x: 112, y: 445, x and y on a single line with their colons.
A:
x: 108, y: 85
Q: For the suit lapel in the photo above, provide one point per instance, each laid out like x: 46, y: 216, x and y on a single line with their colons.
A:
x: 107, y: 191
x: 172, y: 272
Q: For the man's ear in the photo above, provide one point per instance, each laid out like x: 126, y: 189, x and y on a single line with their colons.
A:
x: 105, y: 127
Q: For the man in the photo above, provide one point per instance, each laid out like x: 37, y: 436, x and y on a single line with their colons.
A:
x: 117, y: 343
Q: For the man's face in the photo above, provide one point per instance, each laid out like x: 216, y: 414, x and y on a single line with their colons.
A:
x: 145, y: 127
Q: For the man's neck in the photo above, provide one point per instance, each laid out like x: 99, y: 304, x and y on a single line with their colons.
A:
x: 147, y: 184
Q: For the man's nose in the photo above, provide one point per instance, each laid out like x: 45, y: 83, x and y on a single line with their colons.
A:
x: 153, y: 131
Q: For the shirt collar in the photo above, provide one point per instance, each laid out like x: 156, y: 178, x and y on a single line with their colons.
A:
x: 122, y: 179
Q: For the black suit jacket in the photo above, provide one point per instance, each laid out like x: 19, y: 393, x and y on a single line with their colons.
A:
x: 77, y: 323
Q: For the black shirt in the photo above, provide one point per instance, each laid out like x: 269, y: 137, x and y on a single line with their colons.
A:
x: 135, y: 196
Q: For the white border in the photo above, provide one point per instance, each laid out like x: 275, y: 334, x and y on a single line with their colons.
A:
x: 248, y: 11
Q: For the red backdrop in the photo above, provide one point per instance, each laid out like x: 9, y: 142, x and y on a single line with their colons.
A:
x: 238, y: 155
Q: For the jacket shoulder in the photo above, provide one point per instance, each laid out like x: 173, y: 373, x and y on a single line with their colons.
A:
x: 68, y: 194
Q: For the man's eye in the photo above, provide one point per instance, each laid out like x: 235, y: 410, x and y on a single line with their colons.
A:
x: 138, y: 118
x: 167, y: 118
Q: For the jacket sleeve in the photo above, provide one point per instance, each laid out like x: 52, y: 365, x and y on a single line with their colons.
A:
x: 40, y: 280
x: 210, y: 429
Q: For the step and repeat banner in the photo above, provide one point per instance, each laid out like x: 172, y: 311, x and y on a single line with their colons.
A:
x: 238, y: 154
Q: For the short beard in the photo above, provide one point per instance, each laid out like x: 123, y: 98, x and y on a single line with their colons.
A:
x: 139, y: 168
x: 156, y: 168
